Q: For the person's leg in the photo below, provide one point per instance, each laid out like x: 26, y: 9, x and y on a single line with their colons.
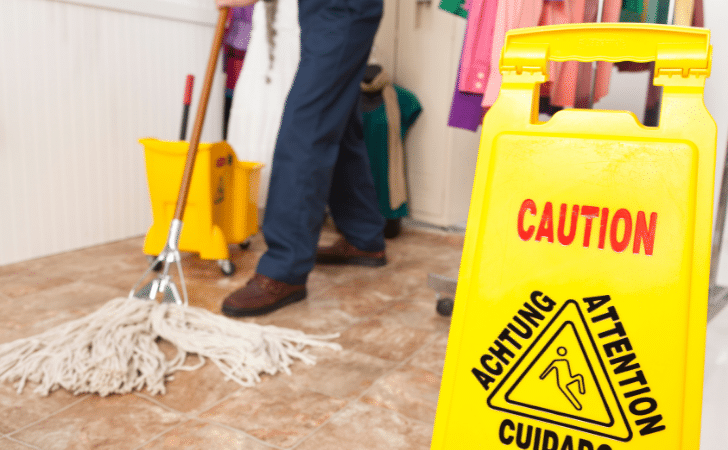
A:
x: 336, y: 38
x: 353, y: 197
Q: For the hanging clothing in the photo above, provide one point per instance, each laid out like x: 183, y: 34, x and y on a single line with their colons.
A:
x: 632, y: 11
x: 610, y: 13
x: 488, y: 21
x: 657, y: 12
x: 476, y: 55
x: 262, y: 88
x: 571, y: 81
x: 235, y: 44
x: 565, y: 76
x: 684, y: 12
x: 660, y: 9
x: 382, y: 133
x: 237, y: 34
x: 510, y: 14
x: 466, y: 111
x: 456, y: 7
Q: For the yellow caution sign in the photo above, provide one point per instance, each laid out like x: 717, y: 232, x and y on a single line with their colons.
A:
x: 581, y: 306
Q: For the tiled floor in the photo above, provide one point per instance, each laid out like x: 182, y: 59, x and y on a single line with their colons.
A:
x: 380, y: 392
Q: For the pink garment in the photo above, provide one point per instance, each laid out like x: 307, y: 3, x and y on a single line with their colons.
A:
x: 510, y: 14
x: 476, y: 57
x: 468, y: 4
x: 571, y: 81
x: 565, y: 76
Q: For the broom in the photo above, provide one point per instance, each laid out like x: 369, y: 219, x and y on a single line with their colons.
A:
x: 116, y: 350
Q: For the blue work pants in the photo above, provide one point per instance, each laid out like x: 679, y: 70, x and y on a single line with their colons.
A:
x: 320, y: 156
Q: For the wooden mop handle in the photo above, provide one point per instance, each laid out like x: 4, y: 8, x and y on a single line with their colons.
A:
x: 184, y: 188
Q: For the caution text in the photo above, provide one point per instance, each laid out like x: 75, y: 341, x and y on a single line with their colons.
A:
x: 621, y: 229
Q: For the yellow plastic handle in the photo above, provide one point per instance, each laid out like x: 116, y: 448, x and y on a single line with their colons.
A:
x: 670, y: 46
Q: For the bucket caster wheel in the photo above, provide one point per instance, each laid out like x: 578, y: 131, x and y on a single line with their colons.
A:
x: 158, y: 266
x: 444, y: 306
x: 226, y: 267
x: 244, y: 245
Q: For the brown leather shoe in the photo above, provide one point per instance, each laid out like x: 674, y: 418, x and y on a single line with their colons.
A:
x: 262, y: 295
x: 344, y: 253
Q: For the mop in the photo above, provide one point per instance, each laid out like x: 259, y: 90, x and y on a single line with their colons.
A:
x: 116, y: 349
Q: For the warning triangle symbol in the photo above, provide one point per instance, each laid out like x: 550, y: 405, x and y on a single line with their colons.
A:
x: 561, y: 379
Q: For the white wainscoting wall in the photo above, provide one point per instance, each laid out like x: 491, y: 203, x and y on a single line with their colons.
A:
x: 80, y: 82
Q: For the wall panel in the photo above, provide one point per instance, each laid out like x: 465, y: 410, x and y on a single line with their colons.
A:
x: 80, y: 83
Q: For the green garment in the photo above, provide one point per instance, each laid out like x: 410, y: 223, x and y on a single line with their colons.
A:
x: 454, y: 6
x: 375, y: 138
x: 657, y: 11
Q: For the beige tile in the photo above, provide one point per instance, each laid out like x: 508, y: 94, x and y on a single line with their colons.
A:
x: 120, y: 271
x: 9, y: 444
x: 322, y: 315
x: 20, y: 282
x: 115, y: 422
x: 195, y: 435
x: 319, y: 282
x: 19, y: 410
x: 385, y: 315
x: 197, y: 390
x: 341, y: 374
x: 35, y: 313
x: 379, y: 338
x: 399, y: 281
x: 197, y: 272
x: 196, y: 269
x: 366, y: 427
x: 432, y: 357
x: 410, y: 391
x: 430, y: 238
x: 77, y: 295
x: 419, y: 261
x: 206, y: 295
x: 81, y: 263
x: 275, y: 412
x: 357, y: 298
x: 324, y: 275
x: 131, y: 247
x: 415, y: 314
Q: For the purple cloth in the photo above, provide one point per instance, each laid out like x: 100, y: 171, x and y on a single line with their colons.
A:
x: 238, y: 32
x: 466, y: 110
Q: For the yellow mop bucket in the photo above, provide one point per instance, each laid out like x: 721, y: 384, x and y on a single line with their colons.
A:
x: 581, y: 304
x: 222, y: 203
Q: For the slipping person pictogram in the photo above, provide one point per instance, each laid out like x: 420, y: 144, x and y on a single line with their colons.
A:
x: 562, y: 366
x: 563, y: 355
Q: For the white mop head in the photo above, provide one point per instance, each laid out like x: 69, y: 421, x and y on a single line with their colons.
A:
x: 114, y: 350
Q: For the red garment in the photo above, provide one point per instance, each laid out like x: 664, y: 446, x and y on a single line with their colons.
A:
x: 233, y: 65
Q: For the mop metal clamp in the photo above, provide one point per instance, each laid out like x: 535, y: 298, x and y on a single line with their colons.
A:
x: 163, y: 283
